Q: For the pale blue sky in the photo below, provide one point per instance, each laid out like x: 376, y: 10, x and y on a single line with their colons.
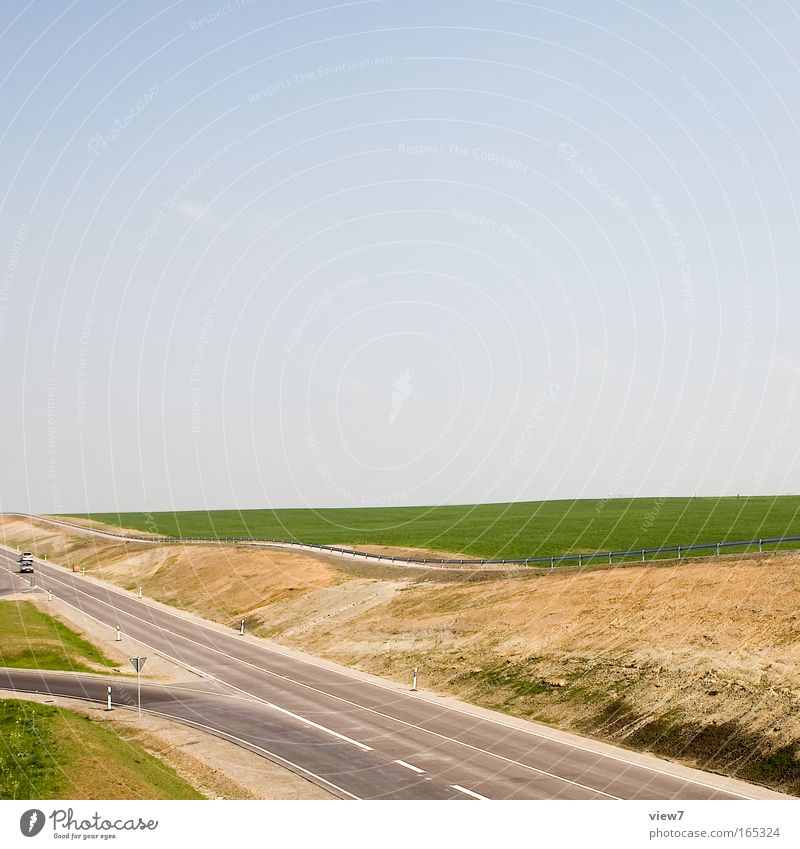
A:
x: 563, y: 236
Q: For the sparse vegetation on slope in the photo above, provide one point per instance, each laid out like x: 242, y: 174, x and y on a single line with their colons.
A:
x: 52, y: 753
x: 31, y: 639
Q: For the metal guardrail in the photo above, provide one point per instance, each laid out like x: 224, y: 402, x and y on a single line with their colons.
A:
x: 552, y: 561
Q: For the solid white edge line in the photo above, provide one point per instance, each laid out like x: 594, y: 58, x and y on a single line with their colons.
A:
x: 111, y: 590
x: 411, y: 767
x: 271, y: 756
x: 470, y: 792
x: 535, y: 733
x: 296, y: 716
x: 498, y: 721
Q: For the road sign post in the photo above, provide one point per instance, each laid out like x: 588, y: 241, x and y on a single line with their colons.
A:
x: 138, y: 663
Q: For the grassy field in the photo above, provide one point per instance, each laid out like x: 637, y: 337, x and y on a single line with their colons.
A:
x: 33, y: 640
x: 524, y: 529
x: 52, y: 753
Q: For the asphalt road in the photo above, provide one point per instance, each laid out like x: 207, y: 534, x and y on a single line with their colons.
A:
x: 355, y: 737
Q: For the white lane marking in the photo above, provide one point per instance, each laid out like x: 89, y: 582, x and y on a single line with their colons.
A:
x: 469, y: 792
x: 157, y: 608
x: 225, y: 735
x: 344, y: 673
x: 309, y: 722
x: 301, y: 684
x: 411, y: 767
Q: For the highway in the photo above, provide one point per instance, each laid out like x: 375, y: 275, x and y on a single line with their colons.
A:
x: 353, y: 735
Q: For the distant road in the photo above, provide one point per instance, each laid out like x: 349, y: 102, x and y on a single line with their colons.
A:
x: 490, y: 567
x: 352, y: 734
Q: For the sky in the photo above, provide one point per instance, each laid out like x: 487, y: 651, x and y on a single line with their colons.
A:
x: 383, y: 253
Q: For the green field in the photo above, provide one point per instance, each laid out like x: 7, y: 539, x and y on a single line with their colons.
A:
x: 516, y: 530
x: 31, y: 639
x: 52, y: 753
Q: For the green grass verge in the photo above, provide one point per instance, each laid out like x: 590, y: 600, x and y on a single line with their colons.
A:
x: 535, y: 528
x: 52, y: 753
x: 31, y: 639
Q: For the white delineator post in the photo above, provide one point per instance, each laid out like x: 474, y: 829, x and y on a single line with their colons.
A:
x: 241, y: 627
x: 414, y: 682
x: 119, y: 634
x: 108, y: 699
x: 140, y: 592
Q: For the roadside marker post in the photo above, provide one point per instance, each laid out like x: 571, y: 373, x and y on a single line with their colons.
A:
x: 138, y: 663
x: 108, y: 699
x: 241, y: 627
x: 49, y: 595
x: 140, y: 592
x: 414, y: 682
x: 119, y: 634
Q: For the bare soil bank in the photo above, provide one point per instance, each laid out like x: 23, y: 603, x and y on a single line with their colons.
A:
x: 697, y: 662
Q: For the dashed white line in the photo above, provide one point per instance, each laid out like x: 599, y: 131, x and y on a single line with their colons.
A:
x: 410, y: 766
x: 469, y: 792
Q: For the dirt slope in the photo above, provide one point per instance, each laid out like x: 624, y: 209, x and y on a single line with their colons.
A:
x: 697, y: 661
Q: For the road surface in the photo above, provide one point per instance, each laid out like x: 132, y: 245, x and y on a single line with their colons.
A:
x: 355, y: 736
